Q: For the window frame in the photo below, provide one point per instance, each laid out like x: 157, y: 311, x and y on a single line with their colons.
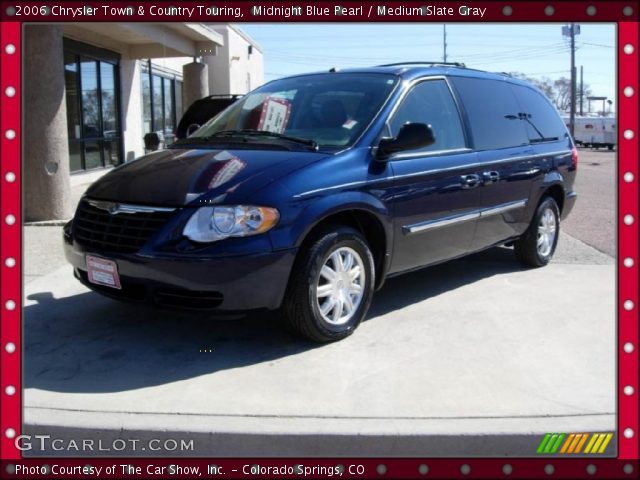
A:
x: 149, y: 71
x: 387, y: 132
x: 469, y: 122
x: 85, y: 52
x: 542, y: 98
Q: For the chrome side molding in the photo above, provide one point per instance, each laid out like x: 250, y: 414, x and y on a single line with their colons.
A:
x: 463, y: 217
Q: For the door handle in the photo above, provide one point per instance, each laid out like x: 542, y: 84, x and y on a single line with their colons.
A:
x: 490, y: 177
x: 470, y: 181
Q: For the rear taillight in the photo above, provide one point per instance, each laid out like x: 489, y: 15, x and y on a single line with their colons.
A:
x: 574, y: 157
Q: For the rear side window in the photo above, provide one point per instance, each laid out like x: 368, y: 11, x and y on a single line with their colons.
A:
x: 430, y: 102
x: 542, y: 121
x: 493, y: 113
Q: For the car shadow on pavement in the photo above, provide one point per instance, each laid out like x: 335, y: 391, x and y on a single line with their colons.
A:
x: 87, y: 343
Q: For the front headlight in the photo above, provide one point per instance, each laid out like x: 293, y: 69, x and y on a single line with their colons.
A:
x: 209, y: 224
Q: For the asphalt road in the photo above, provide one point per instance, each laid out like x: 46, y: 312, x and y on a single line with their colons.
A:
x: 593, y: 219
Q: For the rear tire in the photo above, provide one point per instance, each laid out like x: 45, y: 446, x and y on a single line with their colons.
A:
x: 538, y: 244
x: 331, y: 285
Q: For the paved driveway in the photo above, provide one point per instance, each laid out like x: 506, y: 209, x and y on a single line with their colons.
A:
x: 477, y: 347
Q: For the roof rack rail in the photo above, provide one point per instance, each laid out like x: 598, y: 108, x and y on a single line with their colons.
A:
x: 398, y: 64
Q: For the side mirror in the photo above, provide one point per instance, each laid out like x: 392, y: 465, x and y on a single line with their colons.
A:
x: 192, y: 128
x: 410, y: 137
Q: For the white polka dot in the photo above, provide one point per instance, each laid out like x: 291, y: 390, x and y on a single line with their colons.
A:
x: 628, y: 347
x: 10, y: 347
x: 628, y: 177
x: 10, y: 305
x: 10, y: 91
x: 628, y: 49
x: 628, y: 432
x: 10, y: 390
x: 628, y: 91
x: 549, y: 469
x: 10, y: 433
x: 628, y: 305
x: 10, y: 262
x: 628, y: 390
x: 10, y: 49
x: 549, y: 10
x: 10, y: 177
x: 628, y: 134
x: 10, y: 134
x: 10, y: 219
x: 591, y: 10
x: 628, y: 220
x: 628, y: 262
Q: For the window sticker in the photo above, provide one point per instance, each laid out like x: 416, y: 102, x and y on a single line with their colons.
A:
x: 275, y: 114
x: 349, y: 124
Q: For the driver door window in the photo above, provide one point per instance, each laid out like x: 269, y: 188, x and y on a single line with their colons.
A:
x: 430, y: 102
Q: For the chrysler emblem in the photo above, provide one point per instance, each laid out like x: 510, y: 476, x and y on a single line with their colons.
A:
x: 114, y: 208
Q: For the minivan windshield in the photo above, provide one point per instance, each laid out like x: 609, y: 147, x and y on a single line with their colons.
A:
x: 327, y: 111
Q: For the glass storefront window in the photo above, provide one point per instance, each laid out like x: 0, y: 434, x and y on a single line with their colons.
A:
x: 178, y: 97
x: 108, y: 91
x: 92, y: 91
x: 169, y: 126
x: 146, y: 102
x: 162, y: 104
x: 71, y: 85
x: 158, y: 103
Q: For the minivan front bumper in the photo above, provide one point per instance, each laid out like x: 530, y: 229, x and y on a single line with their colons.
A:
x: 225, y: 284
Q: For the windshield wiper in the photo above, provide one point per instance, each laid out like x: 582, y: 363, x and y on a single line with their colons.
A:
x: 260, y: 133
x: 526, y: 118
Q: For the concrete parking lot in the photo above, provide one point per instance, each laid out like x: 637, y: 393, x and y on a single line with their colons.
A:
x: 473, y: 357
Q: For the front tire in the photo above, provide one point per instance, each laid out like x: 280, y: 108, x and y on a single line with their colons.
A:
x: 538, y: 244
x: 331, y: 286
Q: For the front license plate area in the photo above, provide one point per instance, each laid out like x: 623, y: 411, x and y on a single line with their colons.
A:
x: 101, y: 271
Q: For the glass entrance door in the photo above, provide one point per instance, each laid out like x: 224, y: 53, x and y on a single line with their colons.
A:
x: 93, y: 117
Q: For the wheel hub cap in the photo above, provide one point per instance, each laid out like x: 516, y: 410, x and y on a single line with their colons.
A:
x: 547, y: 229
x: 340, y: 286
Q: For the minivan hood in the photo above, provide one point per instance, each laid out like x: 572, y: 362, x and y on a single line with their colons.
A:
x: 176, y: 177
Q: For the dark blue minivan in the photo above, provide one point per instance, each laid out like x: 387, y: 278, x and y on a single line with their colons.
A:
x: 305, y: 194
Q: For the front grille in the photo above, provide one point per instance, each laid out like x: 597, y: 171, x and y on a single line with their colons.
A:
x: 119, y: 233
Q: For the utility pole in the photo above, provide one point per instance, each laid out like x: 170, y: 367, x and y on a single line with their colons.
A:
x: 573, y: 78
x: 571, y: 31
x: 444, y: 43
x: 581, y: 89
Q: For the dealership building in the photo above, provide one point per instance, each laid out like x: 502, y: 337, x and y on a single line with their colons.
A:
x: 91, y: 91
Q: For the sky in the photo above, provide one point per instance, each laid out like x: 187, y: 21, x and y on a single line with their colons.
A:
x: 537, y: 50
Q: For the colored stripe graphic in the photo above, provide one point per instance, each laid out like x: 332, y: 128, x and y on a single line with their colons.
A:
x: 605, y: 442
x: 572, y: 443
x: 567, y: 443
x: 543, y: 443
x: 555, y: 447
x: 593, y: 439
x: 584, y: 439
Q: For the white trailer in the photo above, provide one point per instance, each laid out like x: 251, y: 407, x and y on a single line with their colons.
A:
x: 594, y: 132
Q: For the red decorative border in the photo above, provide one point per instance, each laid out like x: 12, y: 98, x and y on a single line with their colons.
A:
x: 10, y: 241
x: 628, y: 236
